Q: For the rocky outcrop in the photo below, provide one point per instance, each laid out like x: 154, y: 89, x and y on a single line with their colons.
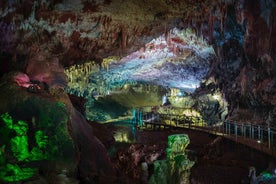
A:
x: 245, y: 68
x: 54, y: 132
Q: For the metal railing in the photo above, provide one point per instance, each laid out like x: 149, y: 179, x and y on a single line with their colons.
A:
x: 256, y: 136
x: 262, y: 137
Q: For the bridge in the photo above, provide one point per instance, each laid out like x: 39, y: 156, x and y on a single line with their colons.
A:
x: 259, y: 137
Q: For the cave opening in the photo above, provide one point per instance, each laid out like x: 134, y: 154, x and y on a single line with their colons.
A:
x: 170, y: 66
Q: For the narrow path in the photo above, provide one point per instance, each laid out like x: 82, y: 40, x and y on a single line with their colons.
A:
x: 255, y: 136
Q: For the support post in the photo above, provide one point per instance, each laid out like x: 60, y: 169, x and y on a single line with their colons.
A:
x: 170, y: 119
x: 226, y: 128
x: 236, y: 132
x: 262, y: 135
x: 223, y: 129
x: 229, y: 128
x: 134, y: 116
x: 268, y: 136
x: 242, y: 131
x: 245, y: 131
x: 141, y: 118
x: 252, y: 132
x: 259, y: 133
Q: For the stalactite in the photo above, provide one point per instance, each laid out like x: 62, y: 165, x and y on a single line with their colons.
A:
x: 168, y: 38
x: 166, y: 31
x: 271, y: 26
x: 78, y: 77
x: 107, y: 61
x: 223, y: 16
x: 243, y: 81
x: 123, y: 38
x: 211, y: 24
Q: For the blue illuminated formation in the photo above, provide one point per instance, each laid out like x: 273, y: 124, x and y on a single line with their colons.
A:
x: 180, y: 62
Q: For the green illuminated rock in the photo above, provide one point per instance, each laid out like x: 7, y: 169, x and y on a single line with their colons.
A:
x: 13, y: 173
x: 177, y: 145
x: 41, y: 134
x: 176, y: 168
x: 43, y: 137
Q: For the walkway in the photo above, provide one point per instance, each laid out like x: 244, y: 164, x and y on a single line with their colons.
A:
x: 255, y: 136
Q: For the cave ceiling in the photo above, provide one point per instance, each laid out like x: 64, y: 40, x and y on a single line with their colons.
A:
x: 181, y: 63
x: 148, y: 38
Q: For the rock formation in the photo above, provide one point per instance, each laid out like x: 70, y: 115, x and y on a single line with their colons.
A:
x: 216, y: 57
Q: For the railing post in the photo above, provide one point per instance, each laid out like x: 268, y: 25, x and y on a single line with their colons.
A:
x: 272, y: 143
x: 170, y: 119
x: 262, y: 135
x: 134, y: 116
x: 259, y: 133
x: 229, y: 128
x: 268, y: 136
x: 141, y: 118
x: 252, y: 132
x: 219, y: 128
x: 224, y: 127
x: 159, y: 118
x: 245, y: 131
x: 272, y: 139
x: 138, y: 117
x: 242, y: 130
x: 236, y: 132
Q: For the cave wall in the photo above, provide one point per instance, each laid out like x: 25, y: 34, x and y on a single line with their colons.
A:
x: 245, y: 71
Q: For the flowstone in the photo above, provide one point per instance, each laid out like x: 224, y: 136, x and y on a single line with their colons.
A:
x: 176, y: 168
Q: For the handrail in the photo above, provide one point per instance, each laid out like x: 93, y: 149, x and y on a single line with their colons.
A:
x: 260, y: 137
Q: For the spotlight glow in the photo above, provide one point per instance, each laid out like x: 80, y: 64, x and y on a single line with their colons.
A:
x: 179, y: 60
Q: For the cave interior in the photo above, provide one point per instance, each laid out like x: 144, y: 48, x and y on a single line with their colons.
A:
x: 135, y: 91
